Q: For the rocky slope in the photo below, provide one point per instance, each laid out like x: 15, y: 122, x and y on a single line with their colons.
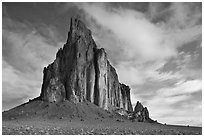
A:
x: 81, y: 72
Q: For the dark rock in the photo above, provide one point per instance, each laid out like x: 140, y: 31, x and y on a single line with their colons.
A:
x: 81, y: 72
x: 55, y: 91
x: 138, y: 107
x: 125, y: 90
x: 141, y: 113
x: 73, y: 67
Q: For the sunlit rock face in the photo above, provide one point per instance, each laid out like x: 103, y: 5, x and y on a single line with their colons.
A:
x: 125, y: 90
x: 81, y: 72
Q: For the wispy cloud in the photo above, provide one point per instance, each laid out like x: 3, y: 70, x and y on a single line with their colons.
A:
x: 24, y: 56
x: 137, y: 40
x: 138, y: 35
x: 181, y: 87
x: 176, y: 109
x: 133, y: 30
x: 145, y: 47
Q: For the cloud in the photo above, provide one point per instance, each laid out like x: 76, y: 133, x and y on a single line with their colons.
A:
x: 185, y: 14
x: 134, y: 76
x: 149, y: 47
x: 181, y: 87
x: 175, y: 110
x: 185, y: 62
x: 174, y: 104
x: 130, y: 35
x: 140, y: 37
x: 17, y: 86
x: 26, y: 47
x: 23, y: 58
x: 133, y: 30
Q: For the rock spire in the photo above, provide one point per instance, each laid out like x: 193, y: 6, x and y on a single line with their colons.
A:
x: 81, y: 72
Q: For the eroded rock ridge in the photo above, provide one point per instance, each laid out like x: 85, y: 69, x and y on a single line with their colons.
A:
x: 81, y: 72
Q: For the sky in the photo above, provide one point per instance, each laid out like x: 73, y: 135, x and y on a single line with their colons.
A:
x: 156, y: 49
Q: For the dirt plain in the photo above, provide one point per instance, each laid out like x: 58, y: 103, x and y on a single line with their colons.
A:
x: 67, y: 118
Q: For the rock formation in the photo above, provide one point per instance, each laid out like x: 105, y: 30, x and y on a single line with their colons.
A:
x: 126, y: 97
x: 81, y: 72
x: 141, y: 114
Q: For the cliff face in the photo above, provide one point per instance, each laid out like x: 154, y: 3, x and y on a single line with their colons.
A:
x: 81, y: 72
x: 73, y: 67
x: 125, y: 90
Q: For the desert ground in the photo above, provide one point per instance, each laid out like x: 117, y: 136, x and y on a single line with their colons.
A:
x: 103, y: 127
x: 67, y: 118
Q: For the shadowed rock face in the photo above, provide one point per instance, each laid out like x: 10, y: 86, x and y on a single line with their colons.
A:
x: 81, y: 72
x: 141, y: 113
x: 138, y: 107
x: 74, y: 66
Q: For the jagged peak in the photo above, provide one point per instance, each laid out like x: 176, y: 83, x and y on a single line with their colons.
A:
x: 81, y: 60
x: 77, y: 24
x: 102, y: 53
x: 59, y: 52
x: 138, y: 107
x: 77, y: 29
x: 125, y: 86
